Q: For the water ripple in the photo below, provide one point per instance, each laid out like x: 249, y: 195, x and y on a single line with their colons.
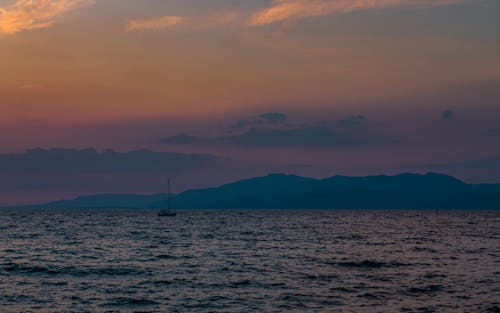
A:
x: 249, y: 261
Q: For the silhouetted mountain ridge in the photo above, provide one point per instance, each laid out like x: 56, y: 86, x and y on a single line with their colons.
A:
x: 280, y: 191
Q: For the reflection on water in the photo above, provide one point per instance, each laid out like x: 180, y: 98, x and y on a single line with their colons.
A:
x: 249, y: 261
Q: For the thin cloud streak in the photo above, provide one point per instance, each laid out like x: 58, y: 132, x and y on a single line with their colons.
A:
x: 154, y: 24
x: 35, y: 14
x: 284, y: 10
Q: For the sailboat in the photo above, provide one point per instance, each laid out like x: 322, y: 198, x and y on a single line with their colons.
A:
x: 168, y: 212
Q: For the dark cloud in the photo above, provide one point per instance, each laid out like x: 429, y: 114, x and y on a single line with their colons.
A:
x: 302, y: 136
x: 274, y: 117
x: 447, y: 114
x: 275, y: 130
x: 48, y: 174
x: 182, y: 139
x: 491, y: 163
x: 354, y: 120
x: 270, y: 119
x: 91, y: 161
x: 495, y: 131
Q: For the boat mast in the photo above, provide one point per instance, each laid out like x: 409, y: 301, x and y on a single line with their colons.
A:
x: 169, y: 195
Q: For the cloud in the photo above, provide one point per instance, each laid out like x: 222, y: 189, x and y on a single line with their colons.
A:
x: 45, y: 174
x: 274, y: 117
x: 34, y: 14
x: 490, y: 163
x: 354, y: 120
x: 284, y: 10
x: 182, y: 139
x: 306, y: 136
x: 274, y: 129
x: 154, y: 24
x: 89, y: 160
x: 270, y: 119
x: 447, y: 114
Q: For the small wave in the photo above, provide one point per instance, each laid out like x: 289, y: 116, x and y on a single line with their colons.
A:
x: 20, y: 268
x: 342, y: 289
x: 57, y: 283
x: 424, y: 249
x: 10, y: 251
x: 122, y: 301
x: 162, y: 282
x: 166, y: 257
x: 167, y: 282
x: 13, y: 268
x: 493, y: 309
x: 114, y: 271
x: 241, y: 283
x: 17, y: 298
x: 370, y: 264
x: 434, y: 275
x: 323, y: 277
x: 350, y: 237
x: 371, y: 296
x: 425, y: 290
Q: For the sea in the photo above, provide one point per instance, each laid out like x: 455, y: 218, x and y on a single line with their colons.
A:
x: 249, y: 261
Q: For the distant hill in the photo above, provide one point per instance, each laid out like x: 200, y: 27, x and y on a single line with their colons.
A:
x: 279, y: 191
x: 106, y: 201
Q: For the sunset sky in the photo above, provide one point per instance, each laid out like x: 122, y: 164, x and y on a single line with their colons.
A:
x: 310, y: 87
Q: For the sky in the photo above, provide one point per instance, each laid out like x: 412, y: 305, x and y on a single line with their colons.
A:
x: 210, y: 91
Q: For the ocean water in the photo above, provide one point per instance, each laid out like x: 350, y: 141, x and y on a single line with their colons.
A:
x: 249, y: 261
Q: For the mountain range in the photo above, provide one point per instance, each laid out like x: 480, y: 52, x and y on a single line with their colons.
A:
x: 280, y: 191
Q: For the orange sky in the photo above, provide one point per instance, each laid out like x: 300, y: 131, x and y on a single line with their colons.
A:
x: 86, y: 60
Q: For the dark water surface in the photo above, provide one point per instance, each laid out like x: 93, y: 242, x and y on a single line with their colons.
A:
x: 249, y: 261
